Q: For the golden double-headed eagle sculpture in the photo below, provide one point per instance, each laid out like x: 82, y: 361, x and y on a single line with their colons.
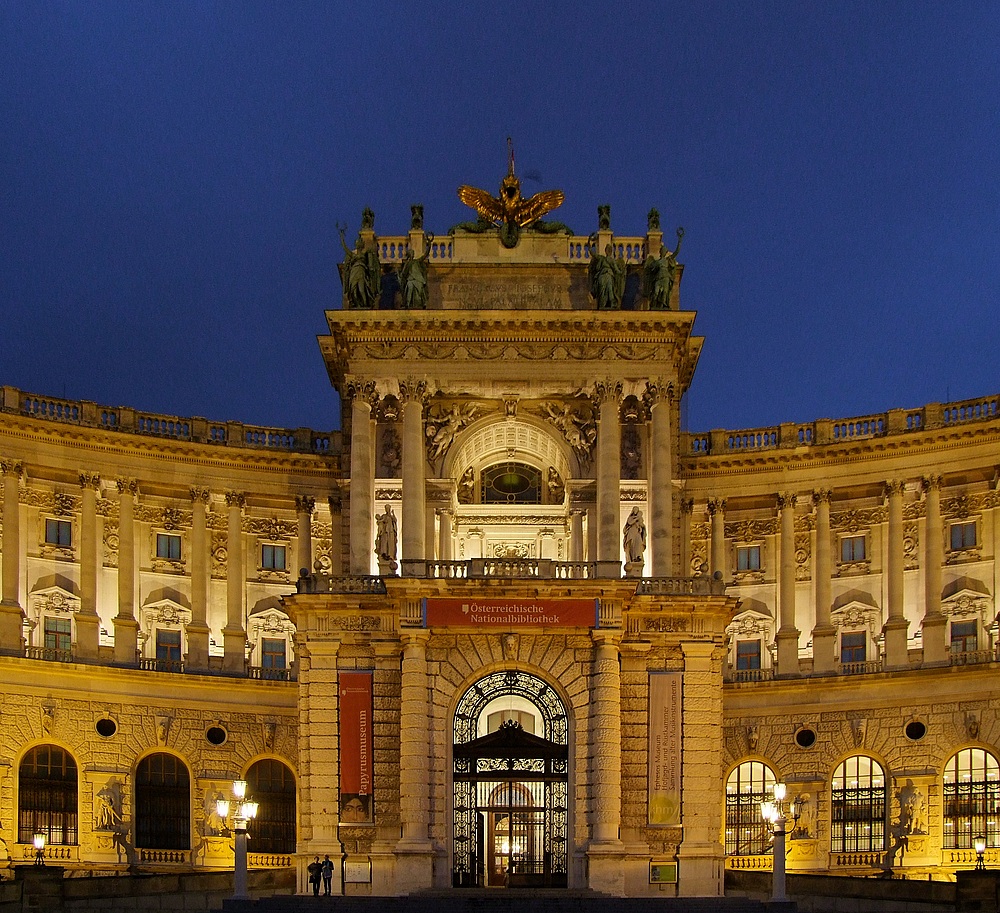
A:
x: 510, y: 207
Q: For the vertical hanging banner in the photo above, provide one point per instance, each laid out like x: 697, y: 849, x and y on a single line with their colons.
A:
x: 357, y: 747
x: 664, y: 774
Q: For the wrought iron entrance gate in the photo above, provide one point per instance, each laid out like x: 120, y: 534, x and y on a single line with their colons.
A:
x: 510, y: 790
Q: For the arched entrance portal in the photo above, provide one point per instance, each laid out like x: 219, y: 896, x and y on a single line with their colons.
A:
x: 510, y: 771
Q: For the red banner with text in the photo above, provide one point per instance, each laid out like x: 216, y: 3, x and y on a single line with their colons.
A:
x: 509, y: 613
x: 357, y: 747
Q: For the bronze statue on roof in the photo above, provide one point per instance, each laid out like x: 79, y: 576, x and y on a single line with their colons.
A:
x: 510, y: 211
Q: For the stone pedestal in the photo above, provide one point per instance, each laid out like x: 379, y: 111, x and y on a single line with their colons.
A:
x: 606, y: 868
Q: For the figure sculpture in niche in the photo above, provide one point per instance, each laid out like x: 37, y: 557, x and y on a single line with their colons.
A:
x: 634, y: 540
x: 385, y: 540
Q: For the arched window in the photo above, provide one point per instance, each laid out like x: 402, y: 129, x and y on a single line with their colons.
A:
x: 512, y: 483
x: 47, y: 796
x: 162, y: 803
x: 971, y: 799
x: 272, y: 785
x: 747, y: 834
x: 858, y: 806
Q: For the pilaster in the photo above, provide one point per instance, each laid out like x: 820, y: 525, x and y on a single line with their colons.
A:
x: 88, y: 623
x: 934, y: 625
x: 824, y: 634
x: 234, y: 635
x: 659, y: 396
x: 607, y: 396
x: 895, y: 628
x: 11, y: 613
x: 198, y: 632
x: 363, y: 398
x: 787, y: 636
x: 125, y: 624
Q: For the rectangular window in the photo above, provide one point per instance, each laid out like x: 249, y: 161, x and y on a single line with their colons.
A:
x: 58, y: 633
x: 272, y: 653
x: 747, y: 654
x: 272, y: 557
x: 59, y: 532
x: 748, y: 558
x: 964, y: 636
x: 168, y: 645
x: 852, y: 548
x: 168, y: 546
x: 853, y: 647
x: 963, y: 535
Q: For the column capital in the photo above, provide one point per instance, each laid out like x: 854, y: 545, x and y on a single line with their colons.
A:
x: 335, y: 502
x: 687, y: 505
x: 11, y: 468
x: 304, y: 504
x: 821, y: 496
x: 414, y: 637
x: 603, y: 638
x: 236, y: 499
x: 362, y: 391
x: 715, y: 506
x: 930, y: 482
x: 658, y: 390
x: 199, y: 495
x: 90, y: 480
x: 413, y: 391
x: 785, y: 499
x: 892, y: 487
x: 607, y: 391
x: 127, y: 486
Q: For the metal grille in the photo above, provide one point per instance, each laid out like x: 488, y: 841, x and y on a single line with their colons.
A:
x: 971, y: 799
x: 47, y: 796
x: 510, y: 806
x: 520, y: 684
x: 272, y: 785
x: 162, y: 803
x: 858, y: 806
x: 747, y: 834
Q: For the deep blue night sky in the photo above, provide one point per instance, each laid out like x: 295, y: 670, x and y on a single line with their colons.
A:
x: 172, y: 174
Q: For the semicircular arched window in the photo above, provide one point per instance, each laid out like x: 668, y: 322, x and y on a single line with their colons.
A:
x: 162, y: 803
x: 47, y: 796
x: 971, y: 799
x: 750, y: 784
x: 858, y: 806
x: 272, y: 785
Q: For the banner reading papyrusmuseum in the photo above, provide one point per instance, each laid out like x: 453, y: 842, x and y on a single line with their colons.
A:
x: 664, y: 748
x: 356, y: 747
x: 509, y: 613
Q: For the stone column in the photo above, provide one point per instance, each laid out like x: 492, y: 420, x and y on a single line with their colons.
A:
x: 788, y: 635
x: 634, y: 763
x: 444, y: 534
x: 126, y: 626
x: 606, y: 851
x: 411, y: 395
x: 362, y: 477
x: 607, y: 395
x: 576, y: 534
x: 894, y: 629
x: 824, y: 634
x: 934, y: 625
x: 198, y: 632
x: 88, y: 622
x: 336, y: 503
x: 414, y: 850
x: 385, y: 768
x: 319, y: 766
x: 687, y: 506
x: 304, y: 507
x: 234, y: 635
x: 717, y: 558
x: 701, y: 852
x: 661, y: 509
x: 11, y: 613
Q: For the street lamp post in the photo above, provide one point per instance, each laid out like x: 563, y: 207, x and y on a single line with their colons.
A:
x: 245, y: 810
x: 980, y: 846
x: 773, y: 813
x: 39, y: 843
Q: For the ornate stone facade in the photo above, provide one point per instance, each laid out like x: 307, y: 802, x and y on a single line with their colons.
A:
x: 811, y: 596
